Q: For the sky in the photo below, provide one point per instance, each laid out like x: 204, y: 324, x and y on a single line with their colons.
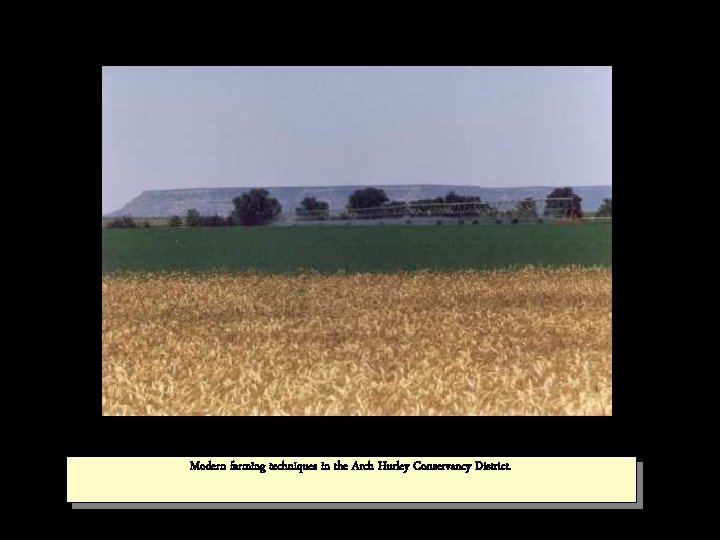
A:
x: 191, y: 127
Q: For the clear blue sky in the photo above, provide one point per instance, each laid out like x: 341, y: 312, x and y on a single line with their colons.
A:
x: 183, y: 127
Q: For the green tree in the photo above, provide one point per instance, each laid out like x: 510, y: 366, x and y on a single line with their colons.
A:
x: 605, y: 209
x: 526, y: 209
x: 567, y: 208
x: 192, y: 219
x: 312, y: 208
x: 367, y: 198
x: 255, y: 207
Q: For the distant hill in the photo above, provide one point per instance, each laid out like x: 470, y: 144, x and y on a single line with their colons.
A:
x: 210, y: 201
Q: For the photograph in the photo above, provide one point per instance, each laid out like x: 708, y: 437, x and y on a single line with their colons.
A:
x: 357, y: 241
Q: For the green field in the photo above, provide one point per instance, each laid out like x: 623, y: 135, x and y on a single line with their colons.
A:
x: 331, y: 249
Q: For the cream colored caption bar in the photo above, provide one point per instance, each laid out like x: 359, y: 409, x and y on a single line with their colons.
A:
x: 385, y: 479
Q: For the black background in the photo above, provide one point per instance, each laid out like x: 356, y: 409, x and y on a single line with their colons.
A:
x: 88, y: 433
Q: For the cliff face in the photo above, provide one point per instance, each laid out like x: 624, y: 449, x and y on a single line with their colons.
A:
x: 210, y: 201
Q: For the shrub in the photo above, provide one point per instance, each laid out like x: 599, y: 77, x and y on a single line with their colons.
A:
x: 605, y: 209
x: 475, y: 222
x: 408, y: 222
x: 515, y: 221
x: 212, y: 221
x: 498, y: 221
x: 125, y: 222
x: 192, y: 219
x: 461, y: 222
x: 146, y: 224
x: 540, y: 221
x: 175, y: 221
x: 438, y: 222
x: 527, y: 208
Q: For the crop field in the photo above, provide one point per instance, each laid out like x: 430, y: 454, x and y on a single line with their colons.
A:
x: 468, y: 342
x: 331, y: 249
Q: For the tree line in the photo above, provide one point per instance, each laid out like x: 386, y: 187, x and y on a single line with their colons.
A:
x: 377, y: 199
x: 256, y: 207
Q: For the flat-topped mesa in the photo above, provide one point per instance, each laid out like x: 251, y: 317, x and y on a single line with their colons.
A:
x: 211, y: 201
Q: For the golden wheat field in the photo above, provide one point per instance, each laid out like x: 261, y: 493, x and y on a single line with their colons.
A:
x: 524, y: 342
